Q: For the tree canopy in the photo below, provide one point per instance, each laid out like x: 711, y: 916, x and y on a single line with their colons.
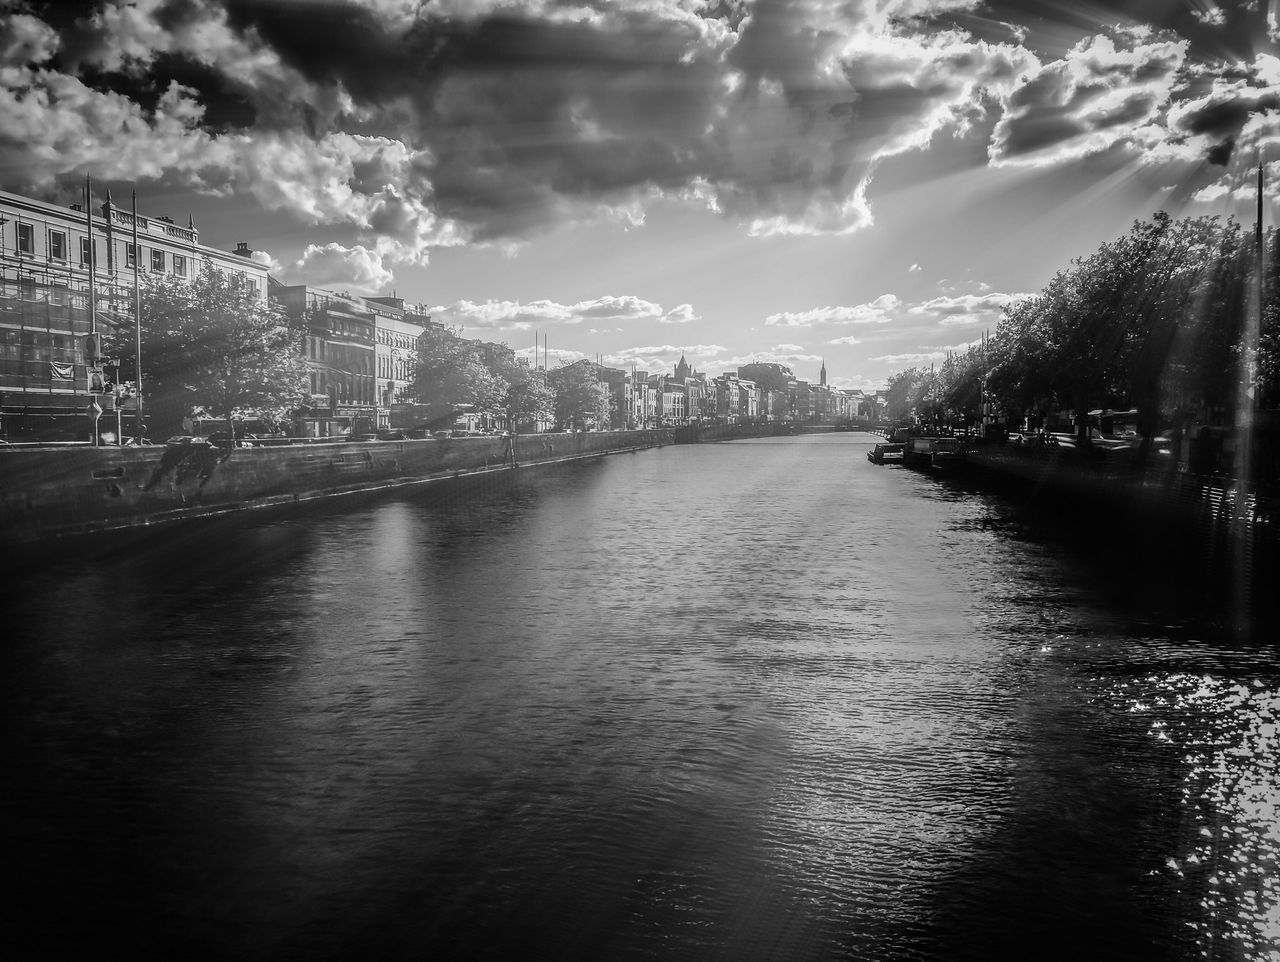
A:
x: 1153, y: 320
x: 581, y: 400
x: 213, y: 342
x: 767, y: 376
x: 452, y: 372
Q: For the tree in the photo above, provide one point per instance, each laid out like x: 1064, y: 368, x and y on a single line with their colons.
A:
x: 526, y: 400
x: 213, y: 342
x: 904, y: 392
x: 961, y: 378
x: 767, y: 376
x: 451, y: 372
x: 581, y: 400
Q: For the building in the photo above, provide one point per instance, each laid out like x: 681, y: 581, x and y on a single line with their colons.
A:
x: 341, y: 354
x: 396, y: 333
x: 66, y: 273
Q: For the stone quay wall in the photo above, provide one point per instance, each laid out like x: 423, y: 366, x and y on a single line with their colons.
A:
x: 53, y: 492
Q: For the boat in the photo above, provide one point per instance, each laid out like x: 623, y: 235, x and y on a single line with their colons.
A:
x: 933, y: 452
x: 881, y: 453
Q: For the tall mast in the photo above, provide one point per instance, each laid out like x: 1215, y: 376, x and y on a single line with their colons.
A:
x: 137, y: 322
x: 88, y: 226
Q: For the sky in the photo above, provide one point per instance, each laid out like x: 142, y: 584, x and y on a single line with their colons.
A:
x: 864, y: 183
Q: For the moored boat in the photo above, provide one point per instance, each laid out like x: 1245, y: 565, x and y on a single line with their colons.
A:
x: 933, y: 452
x: 881, y: 453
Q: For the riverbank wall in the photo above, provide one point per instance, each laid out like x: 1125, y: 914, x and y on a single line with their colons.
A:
x: 704, y: 433
x: 51, y: 493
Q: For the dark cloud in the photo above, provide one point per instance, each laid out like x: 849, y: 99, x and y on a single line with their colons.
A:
x: 1225, y: 115
x: 227, y: 104
x: 337, y: 42
x: 462, y: 122
x: 1220, y: 154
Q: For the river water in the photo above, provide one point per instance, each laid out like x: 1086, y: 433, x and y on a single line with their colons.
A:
x: 743, y: 701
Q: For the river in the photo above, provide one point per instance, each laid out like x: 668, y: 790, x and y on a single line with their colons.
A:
x: 744, y: 701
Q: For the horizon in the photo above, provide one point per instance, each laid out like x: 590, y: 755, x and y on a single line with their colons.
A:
x: 784, y: 181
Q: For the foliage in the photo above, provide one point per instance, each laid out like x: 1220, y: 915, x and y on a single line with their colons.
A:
x: 452, y: 372
x: 768, y: 377
x: 526, y: 399
x: 581, y: 400
x: 905, y: 393
x: 212, y: 342
x: 1151, y: 320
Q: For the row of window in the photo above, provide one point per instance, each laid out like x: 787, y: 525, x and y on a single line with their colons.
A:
x: 36, y: 346
x: 343, y: 387
x: 405, y: 342
x: 399, y: 368
x: 58, y: 250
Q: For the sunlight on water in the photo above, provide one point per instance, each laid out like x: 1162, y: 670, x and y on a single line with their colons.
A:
x: 1229, y: 863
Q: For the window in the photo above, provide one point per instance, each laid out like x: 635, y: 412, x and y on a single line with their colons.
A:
x: 130, y: 256
x: 57, y: 245
x: 84, y: 252
x: 180, y: 265
x: 157, y: 261
x: 26, y: 239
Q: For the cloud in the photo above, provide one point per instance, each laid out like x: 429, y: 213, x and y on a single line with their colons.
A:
x: 966, y: 308
x: 357, y: 269
x: 680, y: 314
x: 1091, y: 99
x: 523, y: 316
x: 552, y: 357
x: 266, y: 260
x: 26, y: 40
x: 914, y: 269
x: 879, y: 311
x: 844, y: 340
x: 909, y: 359
x: 664, y: 357
x: 490, y: 122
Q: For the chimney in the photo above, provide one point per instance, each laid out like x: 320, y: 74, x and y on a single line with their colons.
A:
x: 77, y: 207
x: 242, y: 249
x: 167, y: 220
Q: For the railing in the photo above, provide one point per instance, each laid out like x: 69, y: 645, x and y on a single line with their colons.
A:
x: 148, y: 226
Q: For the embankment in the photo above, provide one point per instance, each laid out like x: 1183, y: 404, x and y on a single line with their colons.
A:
x: 51, y: 493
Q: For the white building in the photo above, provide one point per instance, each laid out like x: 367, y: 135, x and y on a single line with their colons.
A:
x: 63, y: 273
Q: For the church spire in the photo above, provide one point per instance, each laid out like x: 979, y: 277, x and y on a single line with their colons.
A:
x: 822, y: 375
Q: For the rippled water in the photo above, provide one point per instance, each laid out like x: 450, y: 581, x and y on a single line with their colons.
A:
x: 756, y: 700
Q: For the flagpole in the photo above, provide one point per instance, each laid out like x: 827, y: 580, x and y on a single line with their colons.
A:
x: 137, y: 324
x: 88, y: 226
x: 94, y: 354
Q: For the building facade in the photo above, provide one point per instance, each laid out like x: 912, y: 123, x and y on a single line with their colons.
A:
x: 67, y: 273
x: 341, y: 355
x: 396, y: 333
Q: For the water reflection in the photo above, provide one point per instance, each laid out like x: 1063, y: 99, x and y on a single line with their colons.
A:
x: 751, y: 701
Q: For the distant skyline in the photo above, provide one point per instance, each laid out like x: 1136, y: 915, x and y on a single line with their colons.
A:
x: 867, y: 182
